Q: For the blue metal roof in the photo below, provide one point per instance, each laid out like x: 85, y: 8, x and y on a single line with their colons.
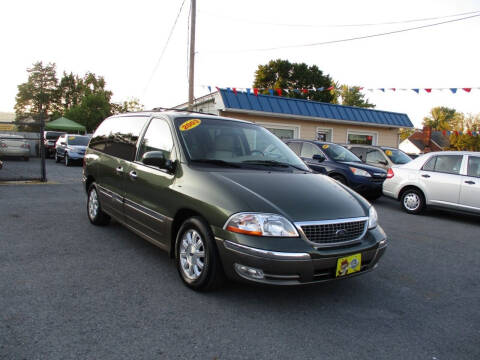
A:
x: 299, y: 107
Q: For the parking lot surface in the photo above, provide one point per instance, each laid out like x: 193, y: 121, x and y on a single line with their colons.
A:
x: 70, y: 290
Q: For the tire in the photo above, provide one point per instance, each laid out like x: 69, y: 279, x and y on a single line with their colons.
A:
x: 94, y: 209
x: 57, y: 159
x: 66, y: 159
x: 26, y: 158
x: 339, y: 178
x: 194, y: 239
x: 413, y: 201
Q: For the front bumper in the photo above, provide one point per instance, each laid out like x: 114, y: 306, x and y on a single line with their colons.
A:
x: 303, y: 267
x: 368, y: 186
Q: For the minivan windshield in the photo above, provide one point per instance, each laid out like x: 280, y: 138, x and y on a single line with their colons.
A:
x: 397, y: 156
x: 78, y: 140
x: 339, y: 153
x: 226, y: 143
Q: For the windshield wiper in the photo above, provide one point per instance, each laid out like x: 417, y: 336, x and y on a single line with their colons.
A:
x: 273, y: 163
x: 216, y: 162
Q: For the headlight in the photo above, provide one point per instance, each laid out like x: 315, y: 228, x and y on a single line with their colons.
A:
x: 372, y: 218
x: 360, y: 172
x: 261, y: 225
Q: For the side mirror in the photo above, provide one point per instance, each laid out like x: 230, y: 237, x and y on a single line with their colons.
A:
x: 157, y: 158
x: 63, y: 143
x: 318, y: 157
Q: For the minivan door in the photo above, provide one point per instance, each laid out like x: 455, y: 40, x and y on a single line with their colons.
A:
x: 148, y: 194
x: 470, y: 188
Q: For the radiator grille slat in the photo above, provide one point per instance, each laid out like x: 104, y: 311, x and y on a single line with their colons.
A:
x: 334, y: 232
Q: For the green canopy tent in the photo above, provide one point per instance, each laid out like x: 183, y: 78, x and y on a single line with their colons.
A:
x: 64, y: 124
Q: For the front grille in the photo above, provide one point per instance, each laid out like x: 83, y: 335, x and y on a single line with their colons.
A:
x: 333, y: 233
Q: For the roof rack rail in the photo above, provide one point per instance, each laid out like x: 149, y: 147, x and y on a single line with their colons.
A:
x: 179, y: 110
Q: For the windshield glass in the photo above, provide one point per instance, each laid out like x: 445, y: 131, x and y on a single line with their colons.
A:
x: 397, y: 156
x: 339, y: 153
x: 218, y: 141
x: 78, y: 140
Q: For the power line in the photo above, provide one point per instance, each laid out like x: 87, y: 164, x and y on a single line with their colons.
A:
x: 163, y: 50
x: 347, y: 39
x: 342, y: 25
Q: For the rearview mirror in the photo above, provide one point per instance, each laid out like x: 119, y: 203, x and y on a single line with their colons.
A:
x: 157, y: 158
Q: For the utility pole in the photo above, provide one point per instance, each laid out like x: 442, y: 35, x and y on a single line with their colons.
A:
x: 191, y: 72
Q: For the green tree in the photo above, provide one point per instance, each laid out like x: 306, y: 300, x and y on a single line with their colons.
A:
x: 350, y: 96
x: 442, y: 118
x: 92, y: 110
x: 38, y: 95
x: 130, y: 105
x: 70, y: 91
x: 281, y: 74
x: 405, y: 133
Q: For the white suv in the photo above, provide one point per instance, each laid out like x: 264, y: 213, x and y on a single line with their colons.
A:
x: 449, y: 179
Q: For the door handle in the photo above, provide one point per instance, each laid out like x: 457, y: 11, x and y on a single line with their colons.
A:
x: 133, y: 175
x: 119, y: 170
x: 425, y: 175
x: 470, y: 182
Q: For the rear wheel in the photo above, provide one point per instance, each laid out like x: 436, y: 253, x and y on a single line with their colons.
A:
x: 413, y: 201
x: 94, y: 209
x: 196, y: 256
x: 57, y: 159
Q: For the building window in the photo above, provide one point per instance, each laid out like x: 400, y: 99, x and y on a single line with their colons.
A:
x: 284, y: 132
x: 360, y: 137
x: 324, y: 134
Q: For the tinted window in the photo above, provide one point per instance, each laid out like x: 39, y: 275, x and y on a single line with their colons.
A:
x: 309, y: 149
x: 473, y: 166
x: 375, y: 156
x: 117, y: 136
x: 157, y: 138
x: 78, y: 140
x: 295, y: 146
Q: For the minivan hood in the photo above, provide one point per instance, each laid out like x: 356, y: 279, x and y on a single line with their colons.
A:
x: 297, y: 196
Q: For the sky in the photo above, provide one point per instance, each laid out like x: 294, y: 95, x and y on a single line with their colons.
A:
x: 123, y: 42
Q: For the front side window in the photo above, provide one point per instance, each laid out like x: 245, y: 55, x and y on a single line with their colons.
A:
x: 375, y: 156
x: 473, y: 166
x: 207, y: 139
x: 339, y: 153
x: 157, y: 138
x: 309, y: 149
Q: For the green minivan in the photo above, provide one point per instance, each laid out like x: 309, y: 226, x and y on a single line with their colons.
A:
x: 227, y: 198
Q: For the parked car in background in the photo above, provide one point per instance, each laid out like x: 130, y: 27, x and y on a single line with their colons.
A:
x: 449, y: 179
x: 70, y: 148
x: 379, y: 156
x: 14, y: 146
x: 50, y: 139
x: 225, y: 196
x: 342, y: 165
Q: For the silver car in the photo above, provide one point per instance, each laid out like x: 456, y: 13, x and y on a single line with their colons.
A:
x: 15, y: 146
x: 379, y: 156
x: 449, y: 179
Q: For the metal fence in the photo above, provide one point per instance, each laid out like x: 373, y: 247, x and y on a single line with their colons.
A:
x: 21, y: 156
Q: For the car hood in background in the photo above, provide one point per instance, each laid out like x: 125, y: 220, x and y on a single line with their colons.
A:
x: 369, y: 168
x: 298, y: 196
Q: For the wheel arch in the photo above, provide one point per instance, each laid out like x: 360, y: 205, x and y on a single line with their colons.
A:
x: 411, y: 187
x: 89, y: 182
x: 337, y: 173
x: 181, y: 215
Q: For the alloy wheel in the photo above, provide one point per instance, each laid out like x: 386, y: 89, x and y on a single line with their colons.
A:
x: 93, y: 204
x: 192, y: 254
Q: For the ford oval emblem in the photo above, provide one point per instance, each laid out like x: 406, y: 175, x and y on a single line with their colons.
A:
x: 340, y: 232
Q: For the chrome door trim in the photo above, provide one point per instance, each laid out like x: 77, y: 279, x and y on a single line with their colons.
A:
x: 146, y: 211
x: 279, y: 255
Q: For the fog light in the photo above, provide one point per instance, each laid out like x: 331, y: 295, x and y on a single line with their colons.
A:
x: 249, y: 272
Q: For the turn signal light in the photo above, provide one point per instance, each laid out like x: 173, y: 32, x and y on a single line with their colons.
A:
x: 390, y: 173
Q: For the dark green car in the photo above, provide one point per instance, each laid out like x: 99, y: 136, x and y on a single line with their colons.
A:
x: 227, y: 197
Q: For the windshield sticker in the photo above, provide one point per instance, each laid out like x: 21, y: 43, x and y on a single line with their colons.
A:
x: 325, y: 146
x: 71, y: 138
x: 190, y: 124
x: 389, y: 152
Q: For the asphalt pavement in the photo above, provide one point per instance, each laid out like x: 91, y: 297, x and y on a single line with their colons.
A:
x: 71, y: 290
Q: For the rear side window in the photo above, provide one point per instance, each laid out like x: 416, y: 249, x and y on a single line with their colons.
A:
x: 473, y: 166
x: 360, y: 152
x: 449, y: 164
x: 295, y: 146
x: 117, y: 136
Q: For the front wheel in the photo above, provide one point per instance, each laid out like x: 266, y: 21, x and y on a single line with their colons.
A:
x: 57, y: 159
x: 67, y: 160
x: 94, y: 209
x: 413, y: 201
x: 196, y: 256
x: 339, y: 178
